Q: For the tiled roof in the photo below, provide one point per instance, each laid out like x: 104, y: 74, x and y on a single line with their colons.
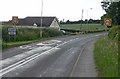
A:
x: 30, y: 21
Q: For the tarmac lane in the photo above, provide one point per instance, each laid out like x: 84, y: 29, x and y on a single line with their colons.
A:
x: 70, y: 57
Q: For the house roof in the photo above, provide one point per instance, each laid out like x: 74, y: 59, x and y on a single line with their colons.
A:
x: 30, y: 21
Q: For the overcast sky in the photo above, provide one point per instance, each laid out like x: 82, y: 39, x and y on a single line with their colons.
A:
x: 62, y: 9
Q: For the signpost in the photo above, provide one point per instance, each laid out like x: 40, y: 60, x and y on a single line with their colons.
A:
x: 108, y: 22
x: 15, y: 20
x: 11, y: 31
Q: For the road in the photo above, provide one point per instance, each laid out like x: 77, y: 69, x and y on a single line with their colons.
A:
x: 69, y: 56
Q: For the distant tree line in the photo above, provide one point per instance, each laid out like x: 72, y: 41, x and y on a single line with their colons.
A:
x: 90, y: 21
x: 112, y: 10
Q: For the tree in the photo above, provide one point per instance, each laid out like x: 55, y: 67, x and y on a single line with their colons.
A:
x: 67, y: 21
x: 86, y: 20
x: 112, y: 11
x: 90, y: 20
x: 102, y: 18
x: 61, y: 22
x: 105, y: 5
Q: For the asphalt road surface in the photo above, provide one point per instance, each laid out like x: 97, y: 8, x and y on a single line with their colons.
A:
x: 69, y: 56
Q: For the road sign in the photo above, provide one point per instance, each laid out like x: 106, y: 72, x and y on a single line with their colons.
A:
x: 15, y: 19
x: 108, y: 22
x: 12, y: 31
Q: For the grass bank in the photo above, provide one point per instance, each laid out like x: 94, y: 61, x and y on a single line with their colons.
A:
x: 106, y: 57
x: 17, y: 43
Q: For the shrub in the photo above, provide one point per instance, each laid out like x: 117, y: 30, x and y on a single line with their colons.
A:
x: 26, y: 34
x: 114, y: 33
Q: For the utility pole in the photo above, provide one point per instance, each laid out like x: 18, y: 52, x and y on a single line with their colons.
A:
x: 88, y: 14
x: 82, y: 16
x: 41, y: 18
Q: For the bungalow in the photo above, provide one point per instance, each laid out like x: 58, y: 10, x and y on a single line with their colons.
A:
x: 47, y: 22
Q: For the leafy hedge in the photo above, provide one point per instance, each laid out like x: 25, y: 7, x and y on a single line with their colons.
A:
x: 114, y: 33
x: 26, y: 34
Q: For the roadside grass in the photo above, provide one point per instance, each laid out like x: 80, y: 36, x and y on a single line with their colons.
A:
x: 17, y: 43
x: 83, y: 27
x: 106, y: 57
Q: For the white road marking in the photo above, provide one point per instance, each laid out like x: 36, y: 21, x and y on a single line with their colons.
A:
x: 51, y: 42
x: 21, y: 56
x: 33, y: 47
x: 25, y: 47
x: 24, y: 61
x: 96, y: 35
x: 58, y: 41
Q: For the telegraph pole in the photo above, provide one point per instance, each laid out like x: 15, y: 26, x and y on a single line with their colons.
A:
x: 41, y: 18
x: 88, y: 14
x: 82, y: 16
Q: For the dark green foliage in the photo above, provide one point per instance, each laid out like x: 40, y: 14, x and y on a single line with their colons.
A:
x: 51, y: 32
x: 112, y: 11
x: 4, y: 45
x: 90, y: 21
x: 102, y: 19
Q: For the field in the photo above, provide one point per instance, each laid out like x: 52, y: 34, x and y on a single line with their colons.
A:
x: 83, y: 27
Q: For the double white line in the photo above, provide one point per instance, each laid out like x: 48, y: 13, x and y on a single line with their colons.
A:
x: 28, y: 59
x: 18, y: 64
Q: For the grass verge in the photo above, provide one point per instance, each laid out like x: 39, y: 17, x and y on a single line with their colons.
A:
x: 6, y: 45
x: 106, y: 57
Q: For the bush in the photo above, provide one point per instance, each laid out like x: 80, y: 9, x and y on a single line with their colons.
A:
x: 114, y: 33
x: 26, y: 34
x: 51, y: 32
